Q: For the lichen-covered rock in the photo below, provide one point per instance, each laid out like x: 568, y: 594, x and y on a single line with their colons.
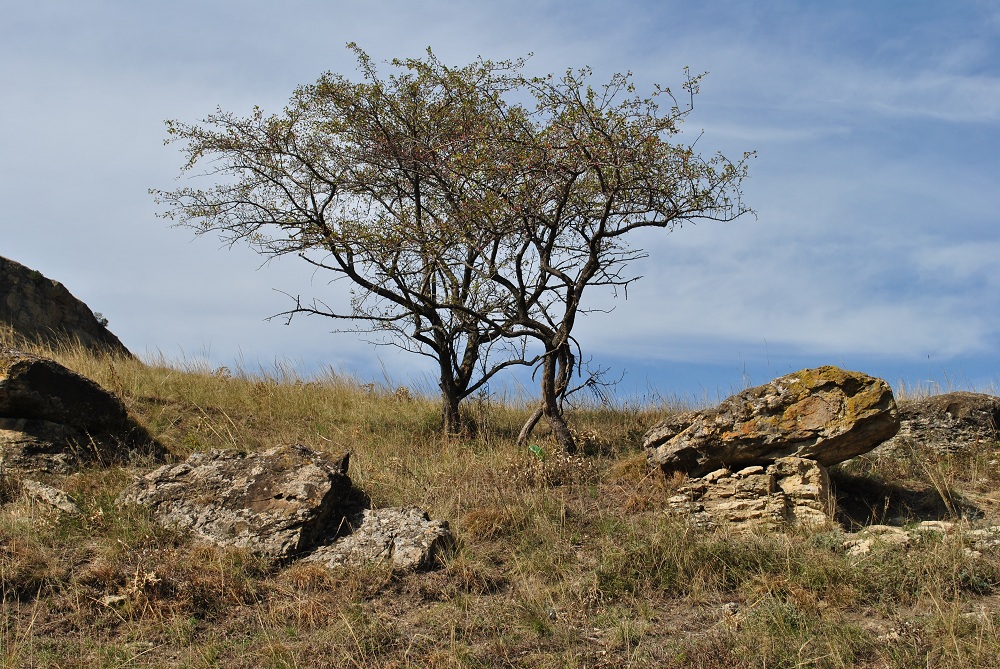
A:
x: 405, y: 537
x: 669, y: 427
x: 825, y: 414
x: 953, y: 422
x: 41, y: 310
x: 53, y: 419
x: 278, y: 503
x: 790, y: 492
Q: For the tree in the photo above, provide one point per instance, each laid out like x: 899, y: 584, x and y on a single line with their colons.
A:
x: 378, y: 182
x: 469, y: 224
x: 596, y: 165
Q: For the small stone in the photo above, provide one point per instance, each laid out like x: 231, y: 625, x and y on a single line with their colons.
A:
x: 113, y: 600
x: 939, y: 526
x: 857, y: 547
x: 884, y: 530
x: 51, y: 496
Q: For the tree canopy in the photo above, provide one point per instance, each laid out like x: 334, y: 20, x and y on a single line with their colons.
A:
x: 470, y: 207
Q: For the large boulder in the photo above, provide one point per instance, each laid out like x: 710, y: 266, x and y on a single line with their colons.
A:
x: 960, y: 421
x: 825, y: 414
x: 287, y: 502
x: 54, y: 419
x: 278, y: 503
x: 36, y: 388
x: 43, y: 311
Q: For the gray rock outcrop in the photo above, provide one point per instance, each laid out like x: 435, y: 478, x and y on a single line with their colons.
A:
x: 825, y: 414
x: 287, y: 502
x: 46, y: 494
x: 791, y: 491
x: 53, y: 419
x: 405, y: 537
x: 278, y: 503
x: 888, y: 538
x: 43, y: 311
x: 960, y: 421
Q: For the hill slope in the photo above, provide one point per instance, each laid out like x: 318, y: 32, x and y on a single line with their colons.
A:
x: 562, y: 562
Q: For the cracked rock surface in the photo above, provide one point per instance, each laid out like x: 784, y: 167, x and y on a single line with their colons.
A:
x: 792, y: 491
x: 825, y: 414
x: 288, y: 502
x: 405, y: 537
x: 278, y: 503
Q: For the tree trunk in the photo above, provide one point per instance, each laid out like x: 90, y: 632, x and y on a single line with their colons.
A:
x: 529, y: 426
x: 451, y: 396
x: 561, y: 432
x: 553, y: 384
x: 451, y: 419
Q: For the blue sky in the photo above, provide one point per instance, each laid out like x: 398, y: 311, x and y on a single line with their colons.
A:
x: 876, y: 124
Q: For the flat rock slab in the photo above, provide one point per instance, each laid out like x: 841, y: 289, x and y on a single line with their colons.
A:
x: 790, y: 492
x: 279, y: 503
x: 825, y: 414
x: 404, y: 537
x: 52, y: 496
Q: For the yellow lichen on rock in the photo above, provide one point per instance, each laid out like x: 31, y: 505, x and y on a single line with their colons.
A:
x: 826, y: 414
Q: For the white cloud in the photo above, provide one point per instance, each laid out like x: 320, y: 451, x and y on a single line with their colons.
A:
x: 961, y: 264
x: 874, y: 184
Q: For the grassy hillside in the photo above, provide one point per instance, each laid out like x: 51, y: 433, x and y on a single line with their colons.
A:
x: 561, y: 562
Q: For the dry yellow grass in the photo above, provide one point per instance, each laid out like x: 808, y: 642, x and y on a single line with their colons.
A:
x: 561, y: 562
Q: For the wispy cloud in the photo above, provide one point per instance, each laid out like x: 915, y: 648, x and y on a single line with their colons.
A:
x: 875, y: 129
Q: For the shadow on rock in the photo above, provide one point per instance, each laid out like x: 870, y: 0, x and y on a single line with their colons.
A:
x: 53, y: 419
x: 288, y: 502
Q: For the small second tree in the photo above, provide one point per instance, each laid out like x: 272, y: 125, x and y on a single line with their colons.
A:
x: 595, y: 166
